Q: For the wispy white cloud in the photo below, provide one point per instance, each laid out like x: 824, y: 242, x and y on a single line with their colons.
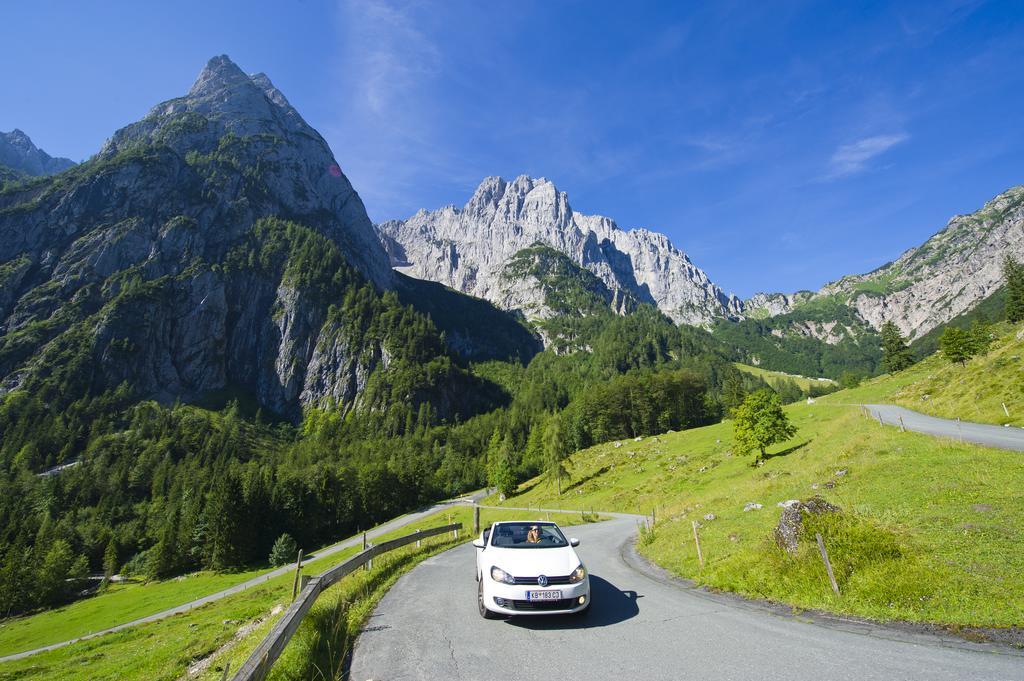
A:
x: 852, y: 158
x: 393, y: 55
x: 389, y: 130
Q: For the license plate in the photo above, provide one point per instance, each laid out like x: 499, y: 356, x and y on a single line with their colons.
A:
x: 543, y: 595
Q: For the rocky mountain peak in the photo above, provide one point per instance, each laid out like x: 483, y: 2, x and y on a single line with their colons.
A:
x: 468, y: 248
x: 266, y: 134
x: 18, y: 152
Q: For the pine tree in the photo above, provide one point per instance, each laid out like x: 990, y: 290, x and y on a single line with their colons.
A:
x: 956, y: 345
x: 110, y: 564
x: 556, y: 450
x: 53, y: 573
x: 285, y: 551
x: 733, y: 393
x: 895, y: 354
x: 227, y: 527
x: 162, y: 560
x: 1013, y: 274
x: 500, y: 473
x: 533, y: 458
x: 980, y: 337
x: 761, y: 422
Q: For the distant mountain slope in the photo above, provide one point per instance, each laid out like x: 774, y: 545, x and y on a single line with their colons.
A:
x: 470, y: 248
x: 945, y: 277
x: 19, y: 153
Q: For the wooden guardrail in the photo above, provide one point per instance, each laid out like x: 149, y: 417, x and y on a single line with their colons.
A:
x: 262, y: 659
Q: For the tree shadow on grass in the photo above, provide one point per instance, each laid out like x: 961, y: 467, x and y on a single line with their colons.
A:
x: 609, y: 605
x: 787, y: 451
x: 582, y: 481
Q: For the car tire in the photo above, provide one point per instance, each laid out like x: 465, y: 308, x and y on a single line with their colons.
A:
x: 484, y: 612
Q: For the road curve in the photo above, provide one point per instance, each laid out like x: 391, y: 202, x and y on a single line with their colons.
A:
x: 641, y: 626
x: 978, y: 433
x: 255, y: 581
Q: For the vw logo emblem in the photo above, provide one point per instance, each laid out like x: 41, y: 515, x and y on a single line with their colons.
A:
x: 542, y: 580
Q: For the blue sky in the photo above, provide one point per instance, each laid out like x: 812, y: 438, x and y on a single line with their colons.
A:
x: 781, y: 145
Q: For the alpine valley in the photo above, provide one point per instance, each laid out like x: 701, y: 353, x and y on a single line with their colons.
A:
x: 206, y: 344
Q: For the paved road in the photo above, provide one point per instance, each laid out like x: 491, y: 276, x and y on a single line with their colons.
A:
x: 980, y: 433
x: 642, y: 626
x: 255, y: 581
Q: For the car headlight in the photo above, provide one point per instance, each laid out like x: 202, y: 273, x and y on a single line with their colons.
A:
x: 499, y: 575
x: 578, y: 574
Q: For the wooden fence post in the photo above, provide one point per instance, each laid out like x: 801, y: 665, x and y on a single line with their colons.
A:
x: 369, y: 563
x: 654, y: 516
x: 1005, y: 410
x: 880, y: 421
x: 696, y: 540
x: 476, y: 519
x: 227, y: 667
x: 298, y: 571
x: 828, y: 564
x: 903, y: 428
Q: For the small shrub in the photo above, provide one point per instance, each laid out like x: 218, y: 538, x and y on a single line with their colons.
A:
x: 284, y: 551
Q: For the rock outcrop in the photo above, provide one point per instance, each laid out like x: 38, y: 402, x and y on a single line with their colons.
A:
x: 787, y: 532
x: 469, y: 249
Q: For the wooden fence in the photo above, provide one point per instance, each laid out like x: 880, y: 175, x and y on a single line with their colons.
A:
x: 262, y: 659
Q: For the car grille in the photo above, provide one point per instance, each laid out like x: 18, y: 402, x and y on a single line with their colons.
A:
x: 552, y: 581
x: 562, y: 604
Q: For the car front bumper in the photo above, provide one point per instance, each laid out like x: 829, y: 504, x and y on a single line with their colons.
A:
x: 509, y: 599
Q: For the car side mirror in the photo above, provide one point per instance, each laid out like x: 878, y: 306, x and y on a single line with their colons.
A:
x: 479, y: 543
x: 574, y: 542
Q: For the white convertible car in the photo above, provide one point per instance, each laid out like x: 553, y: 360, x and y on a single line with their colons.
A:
x: 529, y: 568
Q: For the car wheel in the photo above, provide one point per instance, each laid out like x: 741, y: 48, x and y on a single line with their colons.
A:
x: 484, y: 612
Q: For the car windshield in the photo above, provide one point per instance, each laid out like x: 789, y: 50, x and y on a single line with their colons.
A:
x: 527, y: 536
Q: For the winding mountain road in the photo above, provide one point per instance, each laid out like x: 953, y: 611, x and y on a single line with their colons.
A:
x: 643, y: 625
x: 256, y: 581
x: 978, y: 433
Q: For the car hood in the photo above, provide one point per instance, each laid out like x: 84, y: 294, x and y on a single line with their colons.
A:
x: 553, y: 562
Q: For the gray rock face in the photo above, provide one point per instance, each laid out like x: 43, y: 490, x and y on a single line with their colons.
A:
x: 18, y: 152
x: 296, y: 165
x: 787, y: 532
x: 125, y: 263
x: 928, y: 285
x: 468, y: 248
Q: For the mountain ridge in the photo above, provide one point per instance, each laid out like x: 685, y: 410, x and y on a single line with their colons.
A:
x: 18, y: 152
x: 468, y: 247
x: 927, y: 285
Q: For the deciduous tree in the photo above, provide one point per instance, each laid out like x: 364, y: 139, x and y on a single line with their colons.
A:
x: 760, y: 422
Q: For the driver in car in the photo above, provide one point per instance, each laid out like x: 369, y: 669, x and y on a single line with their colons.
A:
x: 533, y: 536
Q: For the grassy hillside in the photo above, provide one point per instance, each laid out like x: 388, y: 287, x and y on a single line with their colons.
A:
x: 976, y: 391
x: 803, y: 382
x: 930, y: 530
x: 229, y: 629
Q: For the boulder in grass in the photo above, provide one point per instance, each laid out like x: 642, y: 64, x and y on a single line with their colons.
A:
x: 787, y: 532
